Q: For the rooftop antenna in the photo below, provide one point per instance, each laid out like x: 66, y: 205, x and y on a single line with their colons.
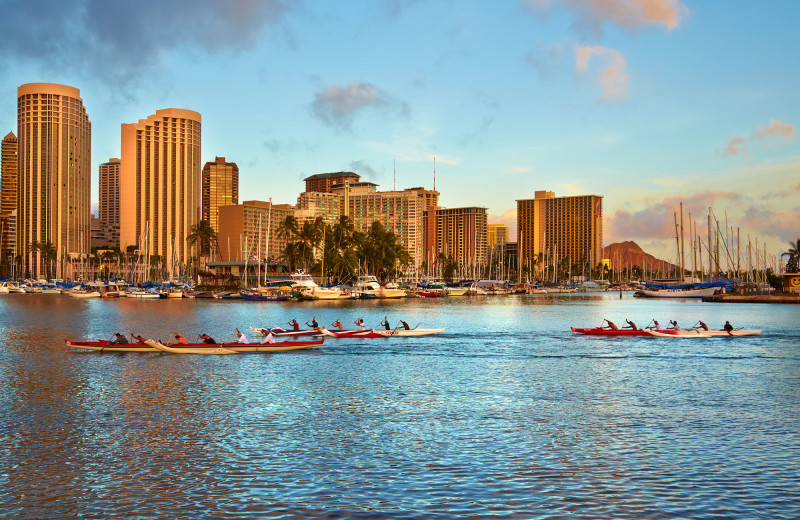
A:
x: 434, y: 173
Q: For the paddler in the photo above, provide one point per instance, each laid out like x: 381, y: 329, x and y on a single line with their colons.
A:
x: 404, y: 325
x: 179, y: 339
x: 139, y: 339
x: 659, y: 326
x: 207, y: 339
x: 630, y: 325
x: 700, y: 325
x: 385, y: 323
x: 611, y: 325
x: 267, y: 336
x: 338, y: 324
x: 360, y: 323
x: 673, y: 325
x: 314, y: 325
x: 119, y: 339
x: 728, y: 328
x: 294, y: 324
x: 241, y: 338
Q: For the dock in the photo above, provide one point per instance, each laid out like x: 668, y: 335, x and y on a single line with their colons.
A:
x: 753, y: 298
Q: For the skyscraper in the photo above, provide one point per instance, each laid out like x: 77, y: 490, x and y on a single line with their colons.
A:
x: 560, y: 228
x: 54, y: 177
x: 160, y: 184
x: 220, y: 188
x: 458, y: 233
x: 8, y: 195
x: 108, y: 210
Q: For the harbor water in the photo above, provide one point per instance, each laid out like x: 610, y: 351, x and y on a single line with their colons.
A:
x: 508, y: 414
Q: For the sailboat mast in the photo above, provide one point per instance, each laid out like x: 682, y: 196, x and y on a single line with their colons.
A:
x: 683, y: 266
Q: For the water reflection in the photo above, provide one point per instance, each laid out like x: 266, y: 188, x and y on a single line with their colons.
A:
x: 508, y: 414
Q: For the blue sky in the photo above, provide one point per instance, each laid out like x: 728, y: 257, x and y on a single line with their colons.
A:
x: 647, y: 102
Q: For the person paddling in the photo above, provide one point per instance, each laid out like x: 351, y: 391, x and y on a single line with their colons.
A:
x: 611, y: 325
x: 139, y: 339
x: 294, y: 324
x: 360, y: 323
x: 728, y: 328
x: 267, y: 336
x: 630, y: 325
x: 241, y: 338
x: 119, y: 339
x: 385, y: 323
x: 314, y: 325
x: 659, y: 327
x: 404, y: 325
x: 700, y: 325
x: 338, y: 324
x: 674, y: 325
x: 179, y: 339
x: 207, y: 339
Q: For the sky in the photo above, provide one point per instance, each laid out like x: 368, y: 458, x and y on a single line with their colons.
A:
x: 648, y: 103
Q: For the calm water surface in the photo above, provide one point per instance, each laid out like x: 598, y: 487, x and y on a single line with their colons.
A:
x: 507, y: 415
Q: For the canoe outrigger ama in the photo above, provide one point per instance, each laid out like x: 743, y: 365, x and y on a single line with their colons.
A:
x: 195, y: 348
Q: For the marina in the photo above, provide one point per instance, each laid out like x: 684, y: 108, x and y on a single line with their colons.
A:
x: 507, y: 410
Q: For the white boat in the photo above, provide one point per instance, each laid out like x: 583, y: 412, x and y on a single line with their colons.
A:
x: 391, y: 290
x: 308, y: 289
x: 411, y: 332
x: 80, y: 292
x: 4, y: 288
x: 141, y: 294
x: 678, y: 293
x: 456, y: 291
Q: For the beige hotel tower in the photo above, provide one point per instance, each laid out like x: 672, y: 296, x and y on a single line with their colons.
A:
x: 159, y: 184
x: 54, y: 177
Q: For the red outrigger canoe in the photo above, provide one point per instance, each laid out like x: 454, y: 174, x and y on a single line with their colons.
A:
x: 599, y: 331
x: 107, y: 346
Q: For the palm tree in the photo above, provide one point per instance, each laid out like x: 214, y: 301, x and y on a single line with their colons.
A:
x: 203, y: 232
x: 47, y: 254
x: 793, y: 265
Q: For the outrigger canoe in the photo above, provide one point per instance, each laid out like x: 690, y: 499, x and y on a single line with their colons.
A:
x: 279, y: 332
x: 280, y: 346
x: 410, y: 332
x: 358, y: 333
x: 599, y: 331
x: 695, y: 333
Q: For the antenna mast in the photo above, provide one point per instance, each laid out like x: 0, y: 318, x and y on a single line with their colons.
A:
x: 434, y: 173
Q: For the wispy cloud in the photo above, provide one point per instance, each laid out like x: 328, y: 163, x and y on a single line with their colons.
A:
x: 612, y: 76
x: 775, y: 131
x: 766, y: 221
x: 117, y: 42
x: 592, y: 15
x: 337, y: 106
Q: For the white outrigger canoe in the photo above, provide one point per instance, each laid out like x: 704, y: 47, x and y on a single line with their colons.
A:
x: 694, y: 333
x: 410, y: 332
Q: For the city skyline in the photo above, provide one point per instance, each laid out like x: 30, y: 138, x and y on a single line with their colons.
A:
x: 647, y: 103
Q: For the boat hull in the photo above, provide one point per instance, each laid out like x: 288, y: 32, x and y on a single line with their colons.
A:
x: 597, y: 331
x: 677, y: 293
x: 202, y: 348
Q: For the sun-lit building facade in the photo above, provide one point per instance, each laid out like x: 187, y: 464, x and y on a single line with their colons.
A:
x: 560, y: 227
x: 322, y: 182
x: 8, y: 195
x: 160, y: 192
x: 458, y: 233
x: 220, y: 188
x: 54, y: 176
x: 108, y: 207
x: 249, y: 230
x: 496, y: 235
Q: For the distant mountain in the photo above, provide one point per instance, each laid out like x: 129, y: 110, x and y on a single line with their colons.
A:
x: 623, y: 254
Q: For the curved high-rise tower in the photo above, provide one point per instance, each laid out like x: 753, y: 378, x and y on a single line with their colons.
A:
x: 54, y: 178
x: 159, y: 184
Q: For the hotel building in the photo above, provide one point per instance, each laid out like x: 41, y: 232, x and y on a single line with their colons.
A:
x: 322, y: 182
x: 160, y: 184
x: 459, y: 233
x: 312, y: 204
x: 248, y: 230
x: 54, y: 176
x: 220, y: 188
x: 108, y: 209
x: 560, y: 227
x: 496, y: 235
x: 8, y: 195
x: 400, y: 212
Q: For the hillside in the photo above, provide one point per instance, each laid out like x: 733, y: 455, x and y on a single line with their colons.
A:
x: 622, y: 254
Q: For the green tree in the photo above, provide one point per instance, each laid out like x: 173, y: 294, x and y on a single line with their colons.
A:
x: 204, y: 234
x: 793, y: 264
